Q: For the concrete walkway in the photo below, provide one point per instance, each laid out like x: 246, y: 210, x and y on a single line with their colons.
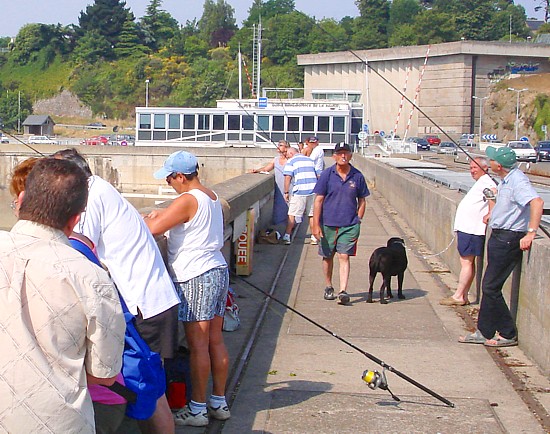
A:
x: 299, y: 379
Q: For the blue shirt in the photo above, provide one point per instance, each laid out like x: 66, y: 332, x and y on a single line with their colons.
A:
x: 511, y: 210
x: 302, y: 170
x: 340, y: 203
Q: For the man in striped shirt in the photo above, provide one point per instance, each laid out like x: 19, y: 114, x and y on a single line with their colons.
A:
x: 301, y: 171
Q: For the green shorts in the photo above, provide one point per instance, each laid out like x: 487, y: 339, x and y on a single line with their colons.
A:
x: 339, y: 239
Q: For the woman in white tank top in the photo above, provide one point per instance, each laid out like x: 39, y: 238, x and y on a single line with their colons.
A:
x: 194, y: 225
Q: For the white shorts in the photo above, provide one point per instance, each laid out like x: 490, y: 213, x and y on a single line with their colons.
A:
x: 299, y: 205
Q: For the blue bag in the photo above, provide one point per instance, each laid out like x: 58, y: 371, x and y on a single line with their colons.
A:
x: 142, y: 370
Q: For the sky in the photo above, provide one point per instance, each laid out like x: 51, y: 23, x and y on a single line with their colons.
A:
x: 17, y: 13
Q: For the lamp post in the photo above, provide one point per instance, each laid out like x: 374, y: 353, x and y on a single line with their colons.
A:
x: 480, y: 112
x: 147, y: 93
x: 518, y: 91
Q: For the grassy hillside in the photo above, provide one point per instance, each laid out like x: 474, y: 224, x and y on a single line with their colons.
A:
x: 35, y: 79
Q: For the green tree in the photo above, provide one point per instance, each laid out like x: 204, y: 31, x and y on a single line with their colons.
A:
x: 326, y: 36
x: 403, y: 35
x: 370, y: 29
x: 268, y: 9
x: 91, y: 48
x: 434, y: 27
x: 107, y: 17
x: 9, y: 109
x: 159, y: 25
x: 542, y: 114
x: 129, y: 43
x: 35, y: 39
x: 217, y: 23
x: 403, y: 12
x: 286, y: 36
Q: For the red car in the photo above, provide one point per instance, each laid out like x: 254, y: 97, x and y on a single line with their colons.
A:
x: 96, y: 140
x: 433, y: 140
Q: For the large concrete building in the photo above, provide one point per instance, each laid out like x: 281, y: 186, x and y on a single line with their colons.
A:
x: 441, y: 79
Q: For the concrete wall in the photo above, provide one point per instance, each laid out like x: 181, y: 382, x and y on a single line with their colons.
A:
x: 430, y: 209
x: 131, y: 169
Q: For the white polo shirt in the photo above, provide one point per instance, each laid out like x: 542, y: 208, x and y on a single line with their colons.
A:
x: 125, y: 245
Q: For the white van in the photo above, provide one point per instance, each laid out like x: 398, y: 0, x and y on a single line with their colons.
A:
x: 41, y: 140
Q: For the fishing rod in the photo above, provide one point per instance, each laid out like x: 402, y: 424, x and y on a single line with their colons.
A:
x: 374, y: 379
x: 21, y: 142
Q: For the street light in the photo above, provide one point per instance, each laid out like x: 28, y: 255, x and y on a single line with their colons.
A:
x: 518, y: 91
x: 480, y: 112
x: 147, y: 93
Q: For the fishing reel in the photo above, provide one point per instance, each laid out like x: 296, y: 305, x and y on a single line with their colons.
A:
x: 375, y: 380
x: 489, y: 194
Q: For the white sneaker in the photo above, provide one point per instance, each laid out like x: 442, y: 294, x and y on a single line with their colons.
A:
x: 313, y: 241
x: 220, y: 413
x: 286, y: 239
x: 185, y: 417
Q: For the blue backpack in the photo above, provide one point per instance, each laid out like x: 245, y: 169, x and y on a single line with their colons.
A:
x: 142, y: 371
x: 144, y: 377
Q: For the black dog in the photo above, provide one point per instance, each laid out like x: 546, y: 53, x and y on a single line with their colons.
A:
x: 390, y: 261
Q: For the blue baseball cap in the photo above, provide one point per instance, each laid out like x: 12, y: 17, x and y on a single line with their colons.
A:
x: 178, y: 162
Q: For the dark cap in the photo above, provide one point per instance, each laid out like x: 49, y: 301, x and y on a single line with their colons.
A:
x: 342, y: 147
x: 313, y: 139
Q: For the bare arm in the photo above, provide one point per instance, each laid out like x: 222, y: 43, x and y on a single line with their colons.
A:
x: 102, y: 381
x: 361, y: 207
x: 267, y: 168
x: 288, y: 178
x: 536, y: 205
x: 315, y: 224
x: 181, y: 210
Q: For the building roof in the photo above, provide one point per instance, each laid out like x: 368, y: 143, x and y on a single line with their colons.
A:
x: 38, y: 120
x: 534, y: 24
x: 493, y: 48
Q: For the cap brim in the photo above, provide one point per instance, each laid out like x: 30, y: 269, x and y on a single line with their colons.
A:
x: 162, y: 173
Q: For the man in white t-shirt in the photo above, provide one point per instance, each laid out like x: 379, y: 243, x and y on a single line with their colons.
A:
x: 316, y: 153
x: 125, y: 245
x: 470, y: 230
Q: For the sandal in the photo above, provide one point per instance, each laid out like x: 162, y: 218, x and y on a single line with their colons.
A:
x: 498, y: 341
x: 473, y: 338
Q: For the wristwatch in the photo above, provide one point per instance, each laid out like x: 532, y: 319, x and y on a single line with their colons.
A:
x: 531, y: 230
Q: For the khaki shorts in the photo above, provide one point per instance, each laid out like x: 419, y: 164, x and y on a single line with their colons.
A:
x: 299, y: 205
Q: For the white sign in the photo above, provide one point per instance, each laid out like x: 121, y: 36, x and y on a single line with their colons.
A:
x: 362, y: 135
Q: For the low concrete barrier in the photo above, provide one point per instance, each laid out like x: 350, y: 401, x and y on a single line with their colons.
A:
x: 429, y: 209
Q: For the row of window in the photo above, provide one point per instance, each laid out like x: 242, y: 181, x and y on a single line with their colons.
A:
x: 207, y: 122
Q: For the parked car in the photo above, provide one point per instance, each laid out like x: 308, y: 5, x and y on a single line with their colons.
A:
x: 421, y: 144
x: 4, y: 139
x: 97, y: 125
x: 543, y: 150
x: 524, y: 150
x: 122, y: 140
x: 41, y: 140
x: 96, y: 140
x: 433, y: 140
x: 466, y: 140
x: 447, y: 148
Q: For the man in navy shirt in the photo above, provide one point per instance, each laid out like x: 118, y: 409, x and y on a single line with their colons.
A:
x: 338, y: 209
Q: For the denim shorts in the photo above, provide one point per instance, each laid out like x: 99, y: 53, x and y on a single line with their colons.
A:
x: 204, y: 296
x: 469, y: 245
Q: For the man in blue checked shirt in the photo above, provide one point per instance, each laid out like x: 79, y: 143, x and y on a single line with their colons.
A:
x: 301, y: 171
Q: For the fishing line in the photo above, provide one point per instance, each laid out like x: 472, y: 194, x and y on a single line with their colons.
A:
x: 356, y: 348
x: 22, y: 142
x: 402, y: 94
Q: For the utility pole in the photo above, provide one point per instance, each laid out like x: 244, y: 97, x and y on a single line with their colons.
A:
x: 518, y: 91
x: 480, y: 112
